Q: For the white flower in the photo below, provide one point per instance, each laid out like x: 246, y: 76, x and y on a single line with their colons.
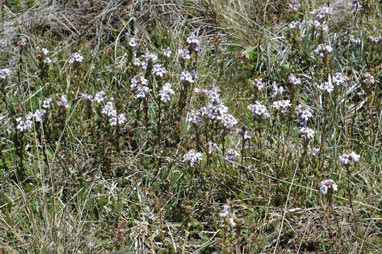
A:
x: 304, y: 112
x: 192, y: 157
x: 25, y: 122
x: 247, y: 135
x: 327, y: 185
x: 142, y: 91
x: 4, y: 73
x: 339, y: 79
x: 46, y: 103
x: 232, y: 221
x: 76, y: 57
x: 294, y: 5
x: 133, y: 42
x: 348, y: 158
x: 158, y: 70
x: 194, y: 117
x: 322, y: 50
x: 99, y: 97
x: 258, y: 83
x: 167, y: 52
x: 47, y: 60
x: 165, y: 92
x: 225, y: 211
x: 186, y: 76
x: 322, y: 12
x: 109, y: 110
x: 138, y: 80
x: 150, y: 57
x: 87, y: 97
x: 294, y: 80
x: 117, y: 119
x: 45, y: 51
x: 307, y: 133
x: 62, y: 101
x: 39, y: 115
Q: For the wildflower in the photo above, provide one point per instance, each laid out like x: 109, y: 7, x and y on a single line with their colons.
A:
x: 259, y: 110
x: 327, y: 185
x: 167, y: 52
x: 63, y: 102
x: 232, y: 155
x: 322, y: 50
x: 76, y: 57
x: 192, y: 157
x: 184, y: 54
x: 39, y: 115
x: 150, y: 57
x: 46, y: 103
x: 99, y: 97
x: 348, y: 158
x: 232, y: 221
x: 294, y: 5
x: 138, y: 79
x: 133, y: 42
x: 228, y: 120
x: 117, y: 119
x: 294, y: 80
x: 283, y: 105
x: 315, y: 151
x: 213, y: 95
x: 47, y: 60
x: 356, y: 6
x: 277, y: 90
x: 258, y: 83
x: 194, y: 117
x: 193, y: 42
x: 25, y: 122
x: 339, y: 79
x: 326, y: 86
x: 294, y: 24
x: 319, y: 25
x: 142, y: 91
x: 87, y: 97
x: 23, y: 41
x: 211, y: 146
x: 186, y: 76
x: 45, y: 51
x: 4, y: 73
x: 354, y: 40
x: 306, y: 133
x: 225, y: 211
x: 158, y: 70
x: 109, y: 110
x: 375, y: 38
x: 304, y: 112
x: 322, y: 12
x: 368, y: 78
x: 165, y: 92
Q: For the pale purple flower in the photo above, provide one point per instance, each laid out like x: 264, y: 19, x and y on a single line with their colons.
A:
x: 23, y: 41
x: 108, y: 109
x: 76, y: 57
x: 327, y: 185
x: 294, y: 24
x: 306, y: 133
x: 225, y: 211
x: 375, y: 38
x: 159, y: 70
x: 231, y: 221
x: 133, y: 42
x: 62, y: 101
x: 150, y: 57
x: 294, y: 5
x: 166, y: 92
x: 348, y: 158
x: 368, y: 78
x: 117, y: 119
x: 232, y: 155
x: 258, y: 110
x: 355, y: 6
x: 45, y: 51
x: 192, y: 157
x: 193, y: 42
x: 319, y: 25
x: 304, y: 112
x: 315, y: 151
x: 184, y: 54
x: 142, y: 91
x: 277, y: 91
x: 47, y: 60
x: 194, y: 117
x: 100, y: 97
x: 354, y: 40
x: 87, y: 97
x: 138, y: 80
x: 211, y: 147
x: 322, y: 12
x: 39, y: 115
x: 186, y: 76
x: 258, y: 83
x: 322, y: 50
x: 228, y: 120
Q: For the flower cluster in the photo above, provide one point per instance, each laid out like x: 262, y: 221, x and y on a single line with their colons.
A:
x: 348, y: 158
x: 282, y: 105
x: 258, y: 83
x: 304, y: 112
x: 76, y: 57
x: 114, y: 118
x: 306, y: 133
x: 166, y: 92
x: 139, y: 83
x: 326, y: 86
x: 225, y: 212
x: 322, y: 50
x: 258, y: 110
x: 328, y: 185
x: 294, y: 5
x: 25, y: 122
x: 192, y: 157
x: 4, y: 73
x: 294, y: 80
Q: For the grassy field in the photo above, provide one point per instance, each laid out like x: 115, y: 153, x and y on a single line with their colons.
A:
x: 195, y: 126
